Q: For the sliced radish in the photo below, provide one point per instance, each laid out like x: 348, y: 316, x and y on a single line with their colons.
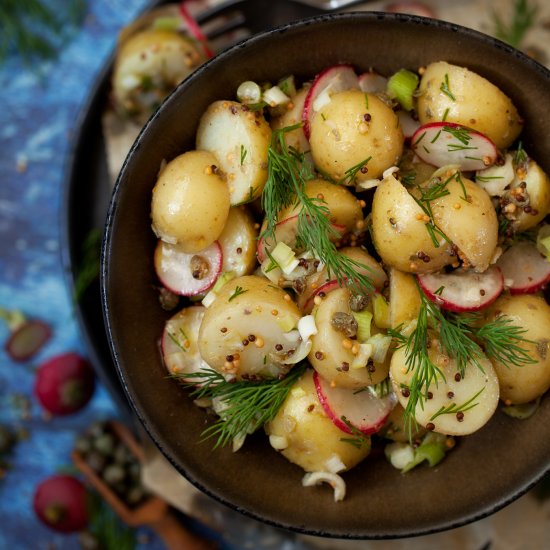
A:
x: 411, y: 8
x: 524, y: 268
x: 188, y: 274
x: 286, y: 232
x: 463, y: 290
x: 408, y: 124
x: 361, y: 409
x: 27, y: 339
x: 325, y: 288
x: 372, y: 82
x: 179, y: 347
x: 443, y: 143
x: 332, y: 80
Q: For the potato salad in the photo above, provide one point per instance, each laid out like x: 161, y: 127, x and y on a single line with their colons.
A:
x: 356, y: 261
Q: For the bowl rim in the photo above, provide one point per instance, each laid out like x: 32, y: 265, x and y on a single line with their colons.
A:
x: 481, y: 512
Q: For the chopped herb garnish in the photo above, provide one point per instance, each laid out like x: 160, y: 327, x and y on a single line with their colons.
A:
x: 445, y: 88
x: 248, y: 404
x: 523, y: 18
x: 453, y: 408
x: 237, y: 292
x: 351, y: 173
x: 244, y: 152
x: 358, y: 439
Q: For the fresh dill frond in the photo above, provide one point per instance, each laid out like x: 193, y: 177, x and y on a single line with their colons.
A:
x: 237, y: 292
x: 33, y: 30
x: 458, y: 336
x: 288, y: 173
x: 446, y: 89
x: 351, y: 173
x: 523, y: 18
x: 358, y: 439
x: 247, y: 405
x: 504, y: 342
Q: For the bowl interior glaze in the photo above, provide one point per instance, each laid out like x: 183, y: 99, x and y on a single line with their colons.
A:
x: 487, y: 470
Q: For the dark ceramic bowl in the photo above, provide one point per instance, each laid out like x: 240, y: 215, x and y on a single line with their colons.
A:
x: 488, y: 470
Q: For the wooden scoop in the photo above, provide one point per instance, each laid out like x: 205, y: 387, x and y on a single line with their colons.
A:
x: 154, y: 512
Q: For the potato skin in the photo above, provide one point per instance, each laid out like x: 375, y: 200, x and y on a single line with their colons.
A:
x: 523, y: 384
x: 477, y: 103
x: 399, y: 235
x: 538, y: 189
x: 190, y: 202
x: 312, y: 437
x: 343, y: 135
x: 343, y: 205
x: 238, y: 242
x: 471, y: 225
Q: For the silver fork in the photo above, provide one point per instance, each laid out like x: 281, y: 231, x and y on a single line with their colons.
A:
x: 233, y: 20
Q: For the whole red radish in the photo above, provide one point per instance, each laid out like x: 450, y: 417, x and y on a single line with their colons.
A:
x: 65, y: 383
x: 61, y: 503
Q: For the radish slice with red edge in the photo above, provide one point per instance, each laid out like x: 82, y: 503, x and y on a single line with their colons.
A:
x: 324, y: 288
x: 361, y: 409
x: 332, y: 80
x: 411, y: 8
x: 188, y: 274
x: 524, y: 268
x: 462, y: 291
x: 27, y: 339
x: 443, y: 143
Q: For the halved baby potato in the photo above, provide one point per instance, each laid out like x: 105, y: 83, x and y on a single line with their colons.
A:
x: 239, y: 138
x: 306, y: 436
x: 247, y: 332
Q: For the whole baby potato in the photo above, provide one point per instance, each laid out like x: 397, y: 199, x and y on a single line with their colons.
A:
x: 348, y: 130
x: 521, y: 384
x: 307, y: 436
x: 190, y: 202
x: 400, y: 234
x: 344, y: 207
x: 455, y: 94
x: 468, y: 218
x: 148, y: 66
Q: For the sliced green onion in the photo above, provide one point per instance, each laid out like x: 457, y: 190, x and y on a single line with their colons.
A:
x: 288, y: 85
x: 381, y: 311
x: 249, y: 92
x: 285, y: 257
x: 364, y: 320
x: 274, y: 97
x: 405, y: 457
x: 380, y: 345
x: 361, y: 360
x: 401, y: 86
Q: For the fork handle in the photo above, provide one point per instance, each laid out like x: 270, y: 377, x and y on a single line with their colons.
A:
x: 330, y: 5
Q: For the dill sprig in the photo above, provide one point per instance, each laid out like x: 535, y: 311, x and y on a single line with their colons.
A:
x: 523, y: 18
x: 288, y: 173
x: 357, y: 438
x: 462, y: 339
x: 34, y: 30
x: 248, y: 405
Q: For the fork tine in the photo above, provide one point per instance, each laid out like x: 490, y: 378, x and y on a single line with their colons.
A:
x: 219, y: 10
